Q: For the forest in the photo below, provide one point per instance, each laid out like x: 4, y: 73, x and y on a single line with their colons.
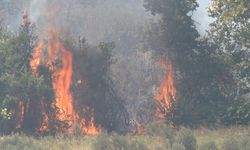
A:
x: 125, y: 74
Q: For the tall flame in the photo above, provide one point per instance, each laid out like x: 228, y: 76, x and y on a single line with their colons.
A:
x: 37, y: 56
x: 167, y: 91
x: 62, y: 75
x: 60, y: 62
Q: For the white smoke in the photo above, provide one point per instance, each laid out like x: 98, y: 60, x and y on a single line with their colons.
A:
x: 36, y: 9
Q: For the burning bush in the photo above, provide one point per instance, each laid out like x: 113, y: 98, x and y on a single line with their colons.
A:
x: 50, y: 88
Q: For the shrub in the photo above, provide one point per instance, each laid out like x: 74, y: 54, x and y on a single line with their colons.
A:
x: 17, y: 142
x: 138, y: 145
x: 244, y: 142
x: 178, y: 146
x: 103, y: 142
x: 187, y: 139
x: 211, y: 145
x: 120, y: 143
x: 161, y: 129
x: 76, y: 130
x: 231, y: 144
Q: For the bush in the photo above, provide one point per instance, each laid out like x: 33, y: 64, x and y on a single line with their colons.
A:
x: 17, y: 142
x: 138, y: 145
x: 231, y: 144
x: 244, y: 142
x: 161, y: 129
x: 103, y: 142
x: 178, y: 146
x: 209, y: 146
x: 187, y: 139
x: 120, y: 143
x: 76, y: 130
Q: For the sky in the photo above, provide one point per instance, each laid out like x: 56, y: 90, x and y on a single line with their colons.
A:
x: 201, y: 16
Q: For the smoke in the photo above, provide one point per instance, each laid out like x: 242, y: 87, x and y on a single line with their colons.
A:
x: 37, y: 9
x: 121, y: 21
x: 97, y: 20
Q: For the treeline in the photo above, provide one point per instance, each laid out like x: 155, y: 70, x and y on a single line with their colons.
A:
x: 211, y: 72
x: 28, y: 97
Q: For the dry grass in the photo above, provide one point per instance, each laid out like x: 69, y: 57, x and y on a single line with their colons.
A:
x: 146, y: 141
x: 219, y: 136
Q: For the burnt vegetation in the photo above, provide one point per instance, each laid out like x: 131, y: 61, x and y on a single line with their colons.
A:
x: 125, y: 71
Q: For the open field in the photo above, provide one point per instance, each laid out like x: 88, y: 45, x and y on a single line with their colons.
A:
x: 155, y: 137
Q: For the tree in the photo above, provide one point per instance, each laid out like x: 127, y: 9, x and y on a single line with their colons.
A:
x: 200, y: 73
x: 230, y: 33
x: 19, y: 86
x: 93, y: 88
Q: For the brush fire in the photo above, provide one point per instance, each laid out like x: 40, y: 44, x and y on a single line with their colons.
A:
x: 51, y: 53
x: 61, y: 81
x: 166, y: 94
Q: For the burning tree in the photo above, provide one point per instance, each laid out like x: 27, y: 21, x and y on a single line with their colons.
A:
x: 54, y: 88
x: 20, y: 88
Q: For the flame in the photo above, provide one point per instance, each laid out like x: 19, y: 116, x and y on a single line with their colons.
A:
x: 21, y: 107
x: 44, y: 126
x: 36, y: 57
x: 167, y: 91
x: 89, y: 128
x: 62, y: 76
x: 60, y: 62
x: 139, y: 128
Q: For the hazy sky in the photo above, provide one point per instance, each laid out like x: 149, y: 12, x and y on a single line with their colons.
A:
x: 201, y: 16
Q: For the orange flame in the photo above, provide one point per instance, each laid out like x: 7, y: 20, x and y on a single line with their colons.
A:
x: 21, y: 107
x: 167, y: 91
x: 36, y: 57
x: 90, y: 128
x: 62, y: 76
x: 60, y: 62
x: 44, y: 126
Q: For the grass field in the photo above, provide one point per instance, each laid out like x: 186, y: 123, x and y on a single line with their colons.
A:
x: 155, y: 137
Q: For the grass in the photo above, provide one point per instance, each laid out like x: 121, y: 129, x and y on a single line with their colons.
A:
x: 154, y: 138
x: 219, y: 136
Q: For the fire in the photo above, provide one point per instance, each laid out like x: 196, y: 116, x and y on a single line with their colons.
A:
x: 44, y: 126
x: 60, y: 62
x: 62, y: 76
x: 167, y: 92
x: 89, y: 128
x: 37, y: 56
x: 21, y: 106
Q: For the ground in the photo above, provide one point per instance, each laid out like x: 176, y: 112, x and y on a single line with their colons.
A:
x: 155, y: 137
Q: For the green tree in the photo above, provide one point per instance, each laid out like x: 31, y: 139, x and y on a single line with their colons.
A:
x: 17, y: 82
x: 230, y: 33
x: 200, y: 73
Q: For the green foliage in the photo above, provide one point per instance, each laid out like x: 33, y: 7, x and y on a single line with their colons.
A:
x: 138, y: 145
x: 211, y: 145
x: 202, y: 93
x: 244, y: 142
x: 187, y: 138
x: 103, y: 142
x: 231, y: 144
x: 5, y: 114
x: 161, y: 129
x: 18, y: 142
x: 178, y: 146
x: 230, y: 33
x: 17, y: 82
x: 118, y: 142
x: 237, y: 113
